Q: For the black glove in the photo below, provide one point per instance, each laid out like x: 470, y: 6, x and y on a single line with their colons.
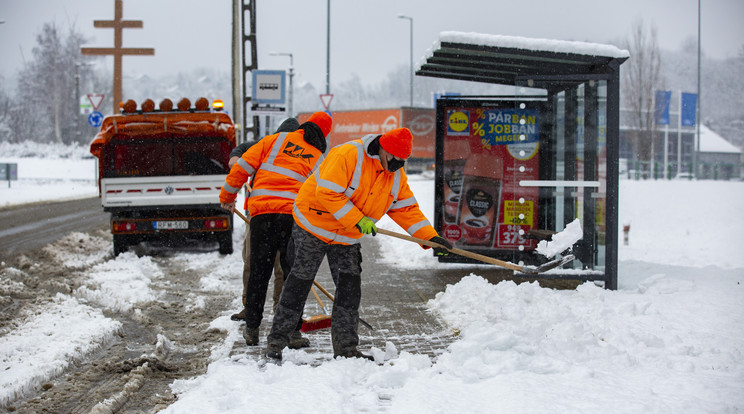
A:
x: 440, y: 251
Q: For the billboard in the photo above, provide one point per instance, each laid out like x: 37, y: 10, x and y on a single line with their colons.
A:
x: 351, y: 125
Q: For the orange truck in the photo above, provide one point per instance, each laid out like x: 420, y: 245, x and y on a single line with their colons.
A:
x: 351, y: 125
x: 161, y: 170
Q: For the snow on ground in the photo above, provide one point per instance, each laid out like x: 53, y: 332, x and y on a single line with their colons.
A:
x: 47, y: 173
x: 670, y: 339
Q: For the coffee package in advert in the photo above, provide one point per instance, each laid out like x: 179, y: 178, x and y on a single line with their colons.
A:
x: 480, y: 198
x: 455, y: 156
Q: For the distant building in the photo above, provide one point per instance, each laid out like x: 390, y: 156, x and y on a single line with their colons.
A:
x: 718, y: 159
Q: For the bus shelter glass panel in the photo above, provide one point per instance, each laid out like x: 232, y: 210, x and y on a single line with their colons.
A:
x: 575, y: 191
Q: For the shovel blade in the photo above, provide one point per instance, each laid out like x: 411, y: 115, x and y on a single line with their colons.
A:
x: 555, y: 263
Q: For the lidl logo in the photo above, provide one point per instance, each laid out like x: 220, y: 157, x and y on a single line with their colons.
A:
x: 458, y: 122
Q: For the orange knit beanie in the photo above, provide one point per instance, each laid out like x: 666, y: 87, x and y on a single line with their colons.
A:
x: 398, y: 142
x: 322, y: 120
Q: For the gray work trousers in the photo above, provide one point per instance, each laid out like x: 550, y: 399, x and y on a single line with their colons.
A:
x: 345, y: 263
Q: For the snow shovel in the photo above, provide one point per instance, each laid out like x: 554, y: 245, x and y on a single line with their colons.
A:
x: 530, y: 270
x: 318, y: 321
x: 328, y: 294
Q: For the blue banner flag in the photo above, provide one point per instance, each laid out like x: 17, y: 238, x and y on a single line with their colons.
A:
x: 689, y: 106
x: 661, y: 107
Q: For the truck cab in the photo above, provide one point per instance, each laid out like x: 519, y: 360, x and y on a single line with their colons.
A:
x: 160, y: 173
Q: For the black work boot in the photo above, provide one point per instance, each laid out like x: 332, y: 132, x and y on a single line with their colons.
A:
x: 251, y: 336
x: 297, y: 341
x: 353, y: 353
x: 274, y: 352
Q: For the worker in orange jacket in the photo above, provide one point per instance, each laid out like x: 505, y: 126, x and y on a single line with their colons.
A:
x: 278, y: 165
x: 357, y: 183
x: 288, y: 125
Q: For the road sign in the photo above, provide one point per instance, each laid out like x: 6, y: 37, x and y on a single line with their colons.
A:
x: 95, y: 100
x: 95, y: 119
x: 9, y: 172
x: 268, y: 87
x: 268, y: 110
x: 326, y: 99
x: 85, y: 106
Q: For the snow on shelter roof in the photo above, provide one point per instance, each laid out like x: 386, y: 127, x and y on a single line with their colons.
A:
x: 510, y: 60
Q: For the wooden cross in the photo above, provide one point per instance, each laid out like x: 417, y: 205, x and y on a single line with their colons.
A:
x: 118, y: 51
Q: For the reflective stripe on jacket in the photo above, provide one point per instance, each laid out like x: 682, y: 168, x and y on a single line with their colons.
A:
x: 279, y: 164
x: 351, y: 184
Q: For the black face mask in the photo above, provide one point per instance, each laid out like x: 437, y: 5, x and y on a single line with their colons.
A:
x: 394, y: 164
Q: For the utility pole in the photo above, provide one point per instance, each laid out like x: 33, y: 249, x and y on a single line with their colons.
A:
x: 237, y: 97
x: 328, y: 49
x: 250, y: 63
x: 699, y: 105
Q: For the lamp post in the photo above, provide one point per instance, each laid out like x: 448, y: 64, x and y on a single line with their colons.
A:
x: 291, y: 75
x: 78, y: 65
x: 400, y: 16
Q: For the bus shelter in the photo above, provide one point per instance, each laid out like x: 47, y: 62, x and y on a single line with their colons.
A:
x: 513, y: 170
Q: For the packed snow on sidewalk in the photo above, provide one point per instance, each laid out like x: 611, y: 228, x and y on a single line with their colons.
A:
x: 670, y: 339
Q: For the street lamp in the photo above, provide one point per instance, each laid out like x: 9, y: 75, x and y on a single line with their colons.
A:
x: 78, y: 65
x: 291, y: 75
x: 400, y: 16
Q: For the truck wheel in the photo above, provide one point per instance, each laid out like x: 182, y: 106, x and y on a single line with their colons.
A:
x: 226, y: 245
x: 120, y: 245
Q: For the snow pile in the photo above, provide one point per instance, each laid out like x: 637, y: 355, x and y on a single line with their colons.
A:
x: 559, y: 242
x: 61, y: 333
x: 122, y: 283
x: 79, y: 250
x: 643, y: 346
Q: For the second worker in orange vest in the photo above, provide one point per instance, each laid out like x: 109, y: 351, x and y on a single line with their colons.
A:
x: 279, y: 164
x: 358, y: 183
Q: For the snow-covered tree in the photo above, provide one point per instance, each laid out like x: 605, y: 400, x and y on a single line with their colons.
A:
x: 46, y: 107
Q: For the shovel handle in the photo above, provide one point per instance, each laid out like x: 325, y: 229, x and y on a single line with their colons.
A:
x: 320, y: 302
x: 236, y: 211
x: 322, y: 289
x: 476, y: 256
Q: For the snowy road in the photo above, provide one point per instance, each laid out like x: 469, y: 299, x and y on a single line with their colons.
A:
x: 31, y: 226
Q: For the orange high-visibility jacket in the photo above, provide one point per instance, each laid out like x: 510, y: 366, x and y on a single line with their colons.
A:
x: 351, y: 184
x: 279, y: 164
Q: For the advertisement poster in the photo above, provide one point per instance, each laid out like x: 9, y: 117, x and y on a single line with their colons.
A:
x: 487, y: 151
x: 351, y: 125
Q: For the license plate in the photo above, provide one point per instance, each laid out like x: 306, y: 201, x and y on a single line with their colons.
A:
x: 171, y: 225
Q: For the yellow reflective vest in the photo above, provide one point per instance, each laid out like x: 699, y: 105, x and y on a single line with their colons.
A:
x: 351, y: 184
x: 279, y: 164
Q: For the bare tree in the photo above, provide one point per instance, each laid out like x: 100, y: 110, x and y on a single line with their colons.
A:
x: 641, y: 78
x: 46, y: 108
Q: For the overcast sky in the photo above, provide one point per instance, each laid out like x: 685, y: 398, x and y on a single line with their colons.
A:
x: 367, y: 37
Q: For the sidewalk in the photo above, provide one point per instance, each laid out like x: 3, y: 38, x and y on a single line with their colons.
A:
x: 393, y: 302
